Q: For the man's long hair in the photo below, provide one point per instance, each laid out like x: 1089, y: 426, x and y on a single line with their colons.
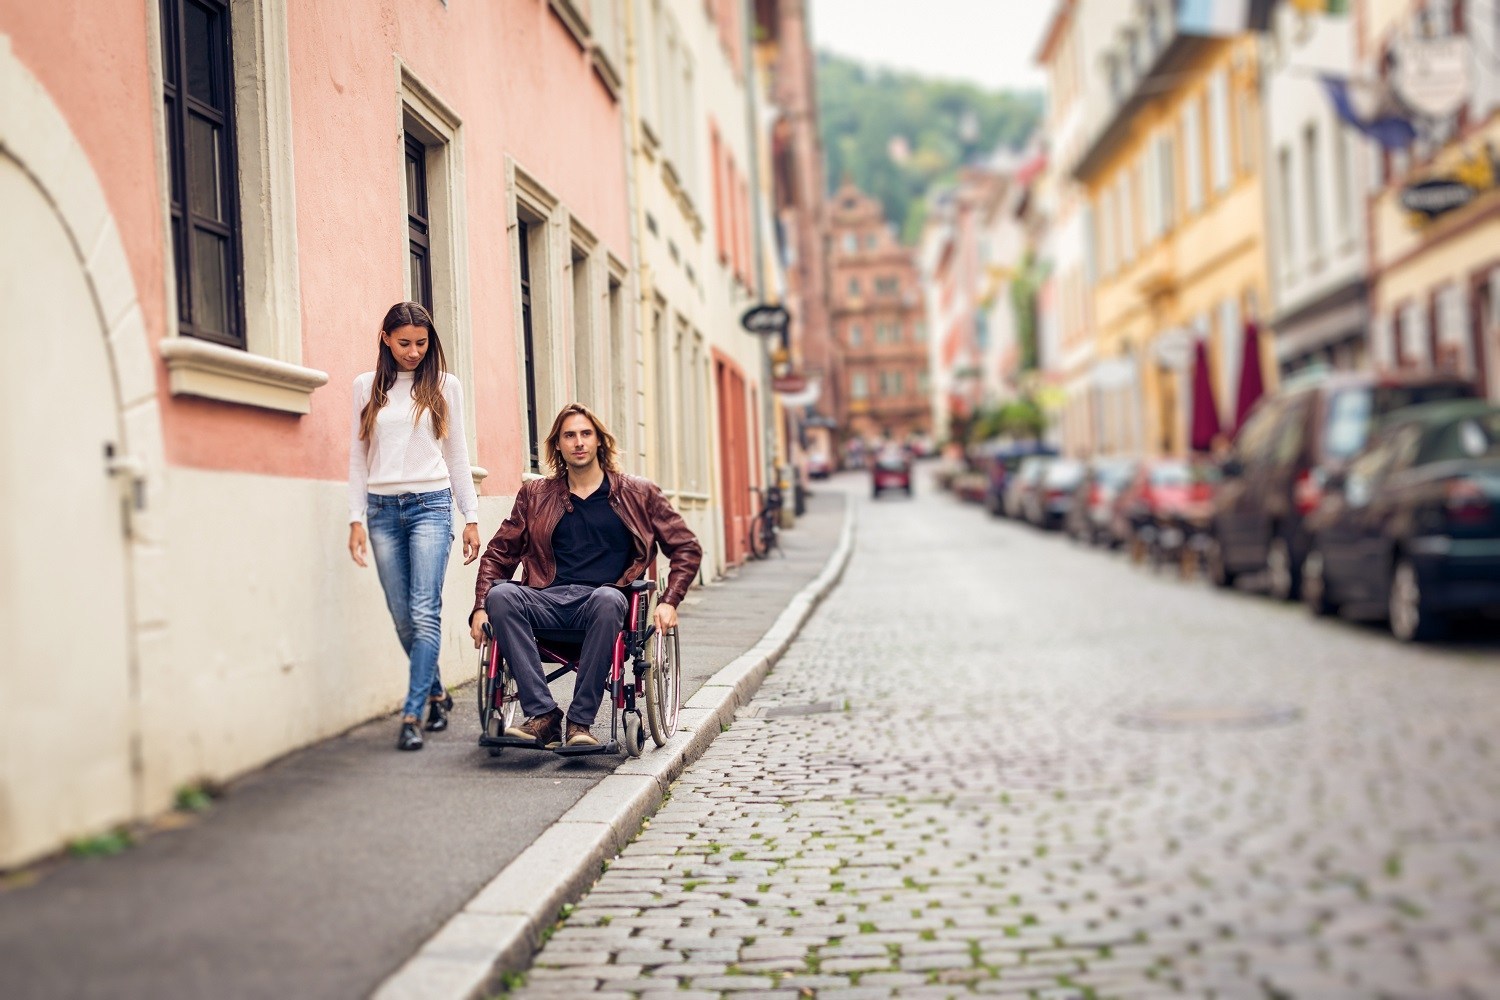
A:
x: 608, y: 450
x: 427, y: 380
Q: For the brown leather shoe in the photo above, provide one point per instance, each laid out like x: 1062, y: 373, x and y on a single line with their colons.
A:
x: 544, y: 729
x: 580, y: 736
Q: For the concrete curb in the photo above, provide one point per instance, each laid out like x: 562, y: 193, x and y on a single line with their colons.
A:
x: 499, y: 930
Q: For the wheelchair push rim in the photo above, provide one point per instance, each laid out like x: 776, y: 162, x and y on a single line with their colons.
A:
x: 496, y: 714
x: 664, y: 686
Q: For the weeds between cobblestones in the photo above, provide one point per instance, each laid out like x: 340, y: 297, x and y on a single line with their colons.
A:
x: 992, y: 831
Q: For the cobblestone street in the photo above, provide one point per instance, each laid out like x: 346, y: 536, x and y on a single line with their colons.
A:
x: 999, y: 763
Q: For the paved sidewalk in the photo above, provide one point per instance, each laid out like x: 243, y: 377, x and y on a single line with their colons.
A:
x: 321, y: 874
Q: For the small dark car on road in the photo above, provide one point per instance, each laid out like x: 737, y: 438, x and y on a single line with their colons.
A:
x: 1282, y: 458
x: 1413, y: 525
x: 891, y: 470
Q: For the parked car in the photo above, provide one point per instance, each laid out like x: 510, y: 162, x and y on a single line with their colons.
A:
x: 1019, y: 484
x: 818, y: 465
x: 1164, y: 492
x: 1413, y: 526
x: 1001, y: 463
x: 1047, y: 505
x: 891, y: 470
x: 1093, y: 501
x: 1282, y: 459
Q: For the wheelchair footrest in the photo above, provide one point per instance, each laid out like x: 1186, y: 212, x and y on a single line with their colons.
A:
x: 497, y: 742
x: 586, y: 750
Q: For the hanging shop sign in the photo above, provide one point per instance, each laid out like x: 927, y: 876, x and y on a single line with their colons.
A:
x: 1433, y: 76
x: 766, y: 320
x: 1436, y: 197
x: 1440, y: 194
x: 806, y: 392
x: 791, y: 384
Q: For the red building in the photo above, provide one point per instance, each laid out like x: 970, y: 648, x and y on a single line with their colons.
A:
x: 879, y: 325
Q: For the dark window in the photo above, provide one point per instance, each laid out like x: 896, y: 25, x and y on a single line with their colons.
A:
x: 523, y: 254
x: 418, y: 227
x: 198, y: 94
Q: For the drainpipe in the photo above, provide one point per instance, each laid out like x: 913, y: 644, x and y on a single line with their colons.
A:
x: 767, y: 402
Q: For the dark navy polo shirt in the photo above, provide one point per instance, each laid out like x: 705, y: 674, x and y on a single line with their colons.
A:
x: 591, y: 544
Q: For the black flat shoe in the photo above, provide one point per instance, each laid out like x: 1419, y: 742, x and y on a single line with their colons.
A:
x: 409, y: 739
x: 437, y: 713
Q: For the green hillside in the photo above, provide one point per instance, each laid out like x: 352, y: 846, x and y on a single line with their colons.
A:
x: 941, y: 124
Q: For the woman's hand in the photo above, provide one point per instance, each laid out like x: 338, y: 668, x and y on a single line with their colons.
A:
x: 666, y: 617
x: 476, y: 627
x: 471, y: 543
x: 357, y: 542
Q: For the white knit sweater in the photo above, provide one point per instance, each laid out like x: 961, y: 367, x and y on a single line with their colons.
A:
x: 403, y: 456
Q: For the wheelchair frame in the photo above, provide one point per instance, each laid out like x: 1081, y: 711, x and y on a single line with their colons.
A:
x: 655, y: 678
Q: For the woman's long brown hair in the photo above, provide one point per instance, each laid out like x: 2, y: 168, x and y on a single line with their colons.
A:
x: 427, y: 381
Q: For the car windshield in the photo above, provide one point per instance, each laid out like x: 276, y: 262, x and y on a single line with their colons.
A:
x: 1064, y: 473
x: 1348, y: 423
x: 1114, y: 474
x: 891, y: 463
x: 1470, y: 438
x: 1171, y: 474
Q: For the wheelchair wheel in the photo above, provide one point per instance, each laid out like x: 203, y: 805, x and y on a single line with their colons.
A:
x: 635, y: 739
x: 499, y: 699
x: 664, y: 687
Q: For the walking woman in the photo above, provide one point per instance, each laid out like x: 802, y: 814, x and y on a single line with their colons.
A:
x: 408, y: 465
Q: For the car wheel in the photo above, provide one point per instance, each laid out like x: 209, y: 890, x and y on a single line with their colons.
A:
x: 1410, y: 617
x: 1284, y: 575
x: 1218, y: 565
x: 1315, y: 590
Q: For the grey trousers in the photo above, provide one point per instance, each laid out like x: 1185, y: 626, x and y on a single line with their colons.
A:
x: 517, y: 612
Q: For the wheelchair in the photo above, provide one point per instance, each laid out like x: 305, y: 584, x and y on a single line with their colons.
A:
x: 645, y: 668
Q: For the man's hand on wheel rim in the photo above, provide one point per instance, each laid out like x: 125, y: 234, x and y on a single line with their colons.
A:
x: 476, y: 627
x: 666, y: 617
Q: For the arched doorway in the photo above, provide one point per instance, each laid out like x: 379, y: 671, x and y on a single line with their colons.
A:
x: 65, y: 665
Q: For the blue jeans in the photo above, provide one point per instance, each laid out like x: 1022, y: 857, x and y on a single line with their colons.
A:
x: 411, y: 536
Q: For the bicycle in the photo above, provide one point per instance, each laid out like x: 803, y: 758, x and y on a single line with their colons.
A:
x: 765, y: 526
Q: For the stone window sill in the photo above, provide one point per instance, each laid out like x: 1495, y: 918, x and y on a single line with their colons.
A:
x: 211, y: 371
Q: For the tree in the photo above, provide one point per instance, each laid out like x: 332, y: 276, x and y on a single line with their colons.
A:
x: 942, y: 125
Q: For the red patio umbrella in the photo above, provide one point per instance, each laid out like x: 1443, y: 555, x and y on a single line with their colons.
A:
x: 1252, y: 385
x: 1205, y: 410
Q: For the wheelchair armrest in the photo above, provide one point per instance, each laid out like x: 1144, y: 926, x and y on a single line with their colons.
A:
x: 636, y: 586
x: 489, y: 633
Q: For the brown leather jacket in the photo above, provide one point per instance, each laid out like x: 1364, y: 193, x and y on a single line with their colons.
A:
x: 525, y: 537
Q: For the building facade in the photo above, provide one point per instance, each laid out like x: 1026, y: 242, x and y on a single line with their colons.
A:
x: 208, y: 256
x: 879, y: 323
x: 1316, y: 178
x: 700, y: 415
x: 798, y: 226
x: 1435, y: 271
x: 1173, y: 174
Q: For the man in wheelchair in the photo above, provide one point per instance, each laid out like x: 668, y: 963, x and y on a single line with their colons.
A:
x: 578, y: 535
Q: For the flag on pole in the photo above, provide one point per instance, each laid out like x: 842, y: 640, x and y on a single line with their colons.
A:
x: 1365, y: 106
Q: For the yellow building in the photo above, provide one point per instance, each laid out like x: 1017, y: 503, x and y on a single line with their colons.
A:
x: 1435, y: 212
x: 1172, y: 173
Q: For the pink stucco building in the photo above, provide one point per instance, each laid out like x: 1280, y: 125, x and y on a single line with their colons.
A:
x: 215, y: 204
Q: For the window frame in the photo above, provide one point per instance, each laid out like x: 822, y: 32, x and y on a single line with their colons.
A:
x: 184, y: 221
x: 418, y: 221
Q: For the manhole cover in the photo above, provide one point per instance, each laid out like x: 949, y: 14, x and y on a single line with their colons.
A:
x: 1204, y: 715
